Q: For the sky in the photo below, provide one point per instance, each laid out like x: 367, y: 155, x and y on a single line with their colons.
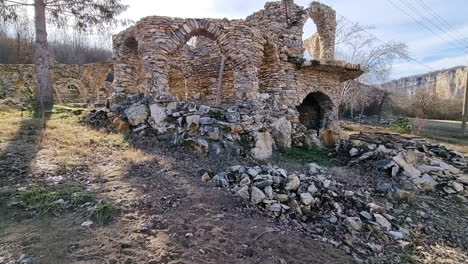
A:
x: 437, y: 51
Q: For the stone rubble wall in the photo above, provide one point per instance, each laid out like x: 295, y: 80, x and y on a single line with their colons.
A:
x: 72, y: 83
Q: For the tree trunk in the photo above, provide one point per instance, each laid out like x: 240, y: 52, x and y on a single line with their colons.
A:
x: 381, y: 106
x: 361, y: 114
x: 45, y: 96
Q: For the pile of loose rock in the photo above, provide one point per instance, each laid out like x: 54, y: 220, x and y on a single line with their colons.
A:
x: 243, y: 128
x: 315, y: 202
x: 413, y: 161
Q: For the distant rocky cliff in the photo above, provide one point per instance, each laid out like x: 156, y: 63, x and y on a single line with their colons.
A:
x: 448, y: 84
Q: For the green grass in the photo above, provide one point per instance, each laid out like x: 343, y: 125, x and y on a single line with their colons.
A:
x: 105, y: 213
x: 45, y: 199
x: 305, y: 156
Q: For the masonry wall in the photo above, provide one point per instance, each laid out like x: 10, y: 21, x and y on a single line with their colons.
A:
x: 264, y: 59
x: 72, y: 83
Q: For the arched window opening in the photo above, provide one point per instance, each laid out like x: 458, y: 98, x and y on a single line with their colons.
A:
x: 313, y: 109
x: 192, y: 42
x: 110, y: 77
x: 311, y: 41
x: 130, y: 72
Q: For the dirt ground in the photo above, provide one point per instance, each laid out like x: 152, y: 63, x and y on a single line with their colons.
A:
x: 167, y: 214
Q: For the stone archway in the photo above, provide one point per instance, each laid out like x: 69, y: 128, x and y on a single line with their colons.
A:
x: 70, y: 90
x: 324, y: 18
x: 314, y: 110
x: 129, y: 72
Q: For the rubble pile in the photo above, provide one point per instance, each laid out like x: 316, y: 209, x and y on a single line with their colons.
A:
x: 413, y: 161
x: 316, y: 203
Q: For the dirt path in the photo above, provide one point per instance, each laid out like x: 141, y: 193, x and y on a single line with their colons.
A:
x: 167, y: 214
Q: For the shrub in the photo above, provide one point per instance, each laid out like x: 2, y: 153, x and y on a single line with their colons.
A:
x: 304, y: 156
x: 104, y: 213
x: 45, y: 199
x: 402, y: 125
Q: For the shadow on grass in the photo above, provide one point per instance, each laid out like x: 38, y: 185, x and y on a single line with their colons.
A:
x: 18, y: 154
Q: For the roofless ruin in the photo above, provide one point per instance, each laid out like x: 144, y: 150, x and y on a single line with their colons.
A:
x: 243, y: 82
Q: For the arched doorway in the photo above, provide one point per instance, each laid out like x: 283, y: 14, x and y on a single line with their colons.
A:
x: 314, y: 109
x: 130, y: 74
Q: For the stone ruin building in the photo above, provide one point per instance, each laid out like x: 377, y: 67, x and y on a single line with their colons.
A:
x: 72, y: 83
x: 242, y: 83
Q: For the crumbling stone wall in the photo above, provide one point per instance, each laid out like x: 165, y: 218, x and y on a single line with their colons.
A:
x: 314, y: 47
x: 72, y: 83
x: 264, y: 64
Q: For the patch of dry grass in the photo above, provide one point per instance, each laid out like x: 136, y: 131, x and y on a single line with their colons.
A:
x: 68, y: 143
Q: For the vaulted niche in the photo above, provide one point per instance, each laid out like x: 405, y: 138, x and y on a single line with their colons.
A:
x: 313, y: 110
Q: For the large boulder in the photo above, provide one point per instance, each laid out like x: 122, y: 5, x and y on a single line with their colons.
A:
x: 263, y: 146
x: 282, y: 130
x: 158, y: 113
x: 136, y: 114
x: 158, y: 117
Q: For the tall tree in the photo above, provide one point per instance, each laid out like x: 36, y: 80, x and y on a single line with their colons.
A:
x: 84, y: 15
x: 356, y: 45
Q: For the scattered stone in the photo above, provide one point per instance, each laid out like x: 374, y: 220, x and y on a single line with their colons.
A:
x: 198, y: 144
x: 282, y: 130
x: 397, y: 235
x: 353, y: 222
x: 457, y: 187
x: 257, y: 196
x: 87, y: 223
x: 244, y: 193
x: 313, y: 169
x: 381, y: 220
x: 263, y: 146
x: 306, y: 198
x: 293, y: 183
x: 268, y: 190
x: 137, y: 114
x: 402, y: 195
x: 366, y: 215
x: 354, y: 152
x: 206, y: 177
x: 426, y: 182
x: 312, y: 189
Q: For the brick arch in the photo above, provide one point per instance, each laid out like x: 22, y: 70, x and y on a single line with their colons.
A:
x: 206, y: 28
x: 130, y: 72
x: 70, y: 90
x: 324, y: 18
x: 317, y: 112
x: 269, y: 65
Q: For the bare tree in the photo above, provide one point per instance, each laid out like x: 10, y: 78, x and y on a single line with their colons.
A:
x: 83, y: 14
x: 355, y: 45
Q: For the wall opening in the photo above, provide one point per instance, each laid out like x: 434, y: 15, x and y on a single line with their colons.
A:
x: 131, y: 72
x: 198, y: 77
x: 311, y: 40
x: 313, y: 109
